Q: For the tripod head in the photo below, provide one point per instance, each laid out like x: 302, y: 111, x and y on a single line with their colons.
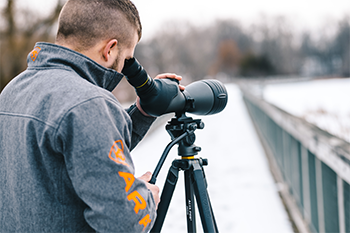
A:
x: 180, y: 125
x: 181, y: 129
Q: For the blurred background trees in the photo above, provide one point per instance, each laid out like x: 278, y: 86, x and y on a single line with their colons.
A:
x: 224, y: 49
x: 227, y: 50
x: 19, y: 30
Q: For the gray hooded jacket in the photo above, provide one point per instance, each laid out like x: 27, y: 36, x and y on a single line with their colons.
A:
x: 65, y: 143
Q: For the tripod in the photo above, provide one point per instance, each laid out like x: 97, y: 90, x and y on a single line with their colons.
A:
x: 181, y: 130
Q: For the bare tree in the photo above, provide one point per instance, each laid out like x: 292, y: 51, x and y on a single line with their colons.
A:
x: 228, y: 58
x: 341, y: 46
x: 17, y: 39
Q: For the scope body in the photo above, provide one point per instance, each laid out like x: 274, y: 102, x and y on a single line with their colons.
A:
x: 161, y: 96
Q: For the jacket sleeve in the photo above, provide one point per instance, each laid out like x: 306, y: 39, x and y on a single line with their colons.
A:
x: 140, y: 125
x: 95, y: 138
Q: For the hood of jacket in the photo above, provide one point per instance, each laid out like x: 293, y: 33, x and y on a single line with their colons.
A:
x: 47, y: 54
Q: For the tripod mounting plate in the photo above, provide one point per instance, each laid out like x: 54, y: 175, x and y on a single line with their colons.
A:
x: 182, y: 124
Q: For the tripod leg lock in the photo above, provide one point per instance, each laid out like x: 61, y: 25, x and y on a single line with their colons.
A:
x: 181, y: 164
x: 203, y: 162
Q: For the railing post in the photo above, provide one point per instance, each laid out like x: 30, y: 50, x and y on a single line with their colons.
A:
x: 306, y: 185
x: 319, y: 190
x: 341, y: 204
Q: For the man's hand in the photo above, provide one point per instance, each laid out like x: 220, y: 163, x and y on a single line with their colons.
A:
x: 161, y: 76
x: 173, y: 76
x: 153, y: 188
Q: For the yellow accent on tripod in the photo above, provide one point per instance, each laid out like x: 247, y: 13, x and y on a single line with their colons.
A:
x: 190, y: 157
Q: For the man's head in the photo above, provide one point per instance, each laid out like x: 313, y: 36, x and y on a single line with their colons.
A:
x: 88, y: 26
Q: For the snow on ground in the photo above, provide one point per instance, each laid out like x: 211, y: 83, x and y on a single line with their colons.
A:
x: 324, y: 103
x: 241, y: 188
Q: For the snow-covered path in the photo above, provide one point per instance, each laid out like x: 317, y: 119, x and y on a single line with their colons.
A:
x: 241, y: 188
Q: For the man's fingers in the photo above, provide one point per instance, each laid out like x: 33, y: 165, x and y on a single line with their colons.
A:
x: 169, y: 75
x: 173, y: 76
x: 182, y: 88
x: 153, y: 188
x: 146, y: 177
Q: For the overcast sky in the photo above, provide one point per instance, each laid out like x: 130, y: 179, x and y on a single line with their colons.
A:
x: 304, y: 14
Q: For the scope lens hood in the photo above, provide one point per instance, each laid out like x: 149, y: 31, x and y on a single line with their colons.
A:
x: 220, y: 96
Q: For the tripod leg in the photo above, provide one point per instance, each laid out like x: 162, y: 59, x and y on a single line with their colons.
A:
x: 190, y: 208
x: 165, y: 198
x: 212, y: 214
x: 202, y: 197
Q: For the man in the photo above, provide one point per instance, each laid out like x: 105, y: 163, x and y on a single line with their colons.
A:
x: 65, y: 140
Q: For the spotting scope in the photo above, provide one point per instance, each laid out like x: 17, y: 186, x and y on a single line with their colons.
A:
x: 161, y: 96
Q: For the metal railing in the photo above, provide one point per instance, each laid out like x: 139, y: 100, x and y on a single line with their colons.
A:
x: 312, y: 166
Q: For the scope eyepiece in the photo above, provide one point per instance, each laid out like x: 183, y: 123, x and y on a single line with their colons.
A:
x: 136, y: 75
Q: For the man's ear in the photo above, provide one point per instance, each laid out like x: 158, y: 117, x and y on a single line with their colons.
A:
x: 110, y: 51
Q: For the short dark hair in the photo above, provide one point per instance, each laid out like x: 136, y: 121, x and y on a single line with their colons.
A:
x: 85, y: 22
